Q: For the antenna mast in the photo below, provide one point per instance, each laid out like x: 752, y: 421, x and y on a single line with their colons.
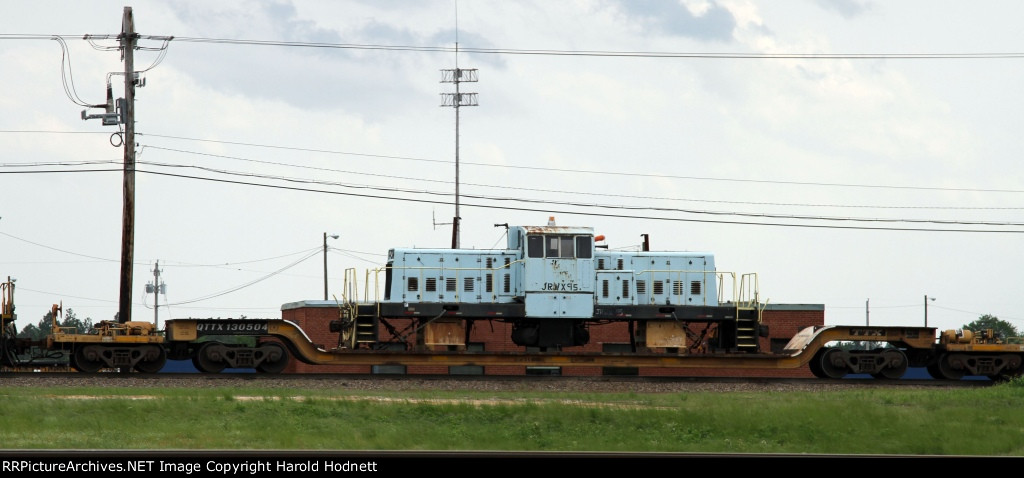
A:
x: 457, y: 100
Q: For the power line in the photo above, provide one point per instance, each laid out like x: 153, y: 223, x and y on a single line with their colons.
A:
x: 247, y: 284
x: 590, y: 205
x: 598, y: 172
x: 540, y: 51
x: 624, y: 216
x: 69, y: 80
x: 188, y: 264
x: 582, y: 193
x: 50, y: 131
x: 177, y: 263
x: 53, y: 171
x: 614, y: 53
x: 977, y: 314
x: 276, y: 163
x: 593, y: 205
x: 34, y: 164
x: 44, y: 246
x: 585, y: 193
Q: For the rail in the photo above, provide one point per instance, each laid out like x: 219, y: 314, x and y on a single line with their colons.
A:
x: 732, y: 288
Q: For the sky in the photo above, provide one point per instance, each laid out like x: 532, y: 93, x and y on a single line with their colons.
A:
x: 861, y: 155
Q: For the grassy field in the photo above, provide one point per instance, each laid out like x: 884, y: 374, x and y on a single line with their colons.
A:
x: 986, y: 421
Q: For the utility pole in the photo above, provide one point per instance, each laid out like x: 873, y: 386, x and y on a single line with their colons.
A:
x: 123, y: 112
x: 156, y: 295
x: 926, y: 309
x: 127, y: 40
x: 457, y: 100
x: 332, y: 236
x: 156, y: 287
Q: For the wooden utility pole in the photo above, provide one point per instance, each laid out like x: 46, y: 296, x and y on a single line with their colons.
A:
x: 128, y: 39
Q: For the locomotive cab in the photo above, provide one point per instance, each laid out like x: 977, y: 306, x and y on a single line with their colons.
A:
x: 558, y: 284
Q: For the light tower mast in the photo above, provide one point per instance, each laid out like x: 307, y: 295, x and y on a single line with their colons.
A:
x: 457, y: 100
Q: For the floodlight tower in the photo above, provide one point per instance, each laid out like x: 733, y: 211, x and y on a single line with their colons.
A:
x: 457, y: 100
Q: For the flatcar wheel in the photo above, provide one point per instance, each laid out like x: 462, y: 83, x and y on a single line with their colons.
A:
x: 815, y: 364
x: 72, y: 362
x: 154, y: 365
x: 946, y: 369
x: 277, y: 358
x: 933, y: 370
x: 206, y: 360
x: 83, y: 364
x: 899, y: 362
x: 832, y: 364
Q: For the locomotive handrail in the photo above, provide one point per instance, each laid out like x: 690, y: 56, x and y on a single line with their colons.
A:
x: 494, y: 293
x: 744, y: 291
x: 678, y: 292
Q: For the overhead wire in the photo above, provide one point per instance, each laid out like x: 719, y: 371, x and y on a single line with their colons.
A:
x: 612, y: 53
x: 595, y: 214
x: 583, y: 193
x: 44, y: 246
x: 590, y: 205
x: 189, y: 264
x: 601, y: 172
x: 172, y: 263
x: 247, y: 284
x: 68, y: 79
x: 563, y: 203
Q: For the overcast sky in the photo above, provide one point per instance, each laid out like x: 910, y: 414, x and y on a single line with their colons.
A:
x: 837, y: 179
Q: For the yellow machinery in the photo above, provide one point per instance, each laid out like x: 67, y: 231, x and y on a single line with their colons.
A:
x: 127, y: 346
x: 8, y: 344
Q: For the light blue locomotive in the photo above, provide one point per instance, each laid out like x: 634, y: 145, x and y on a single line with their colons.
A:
x: 553, y: 282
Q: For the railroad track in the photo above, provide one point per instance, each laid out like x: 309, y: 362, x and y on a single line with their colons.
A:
x: 448, y: 382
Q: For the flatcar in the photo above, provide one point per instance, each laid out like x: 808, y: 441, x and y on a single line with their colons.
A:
x: 552, y: 284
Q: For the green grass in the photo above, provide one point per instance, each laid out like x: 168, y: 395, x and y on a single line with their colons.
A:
x: 984, y: 421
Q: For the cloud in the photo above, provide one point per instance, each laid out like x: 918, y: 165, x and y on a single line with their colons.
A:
x: 846, y: 8
x: 357, y: 80
x: 713, y: 23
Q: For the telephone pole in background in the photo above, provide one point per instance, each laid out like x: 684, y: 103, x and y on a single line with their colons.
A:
x: 332, y: 236
x: 128, y: 38
x: 157, y: 287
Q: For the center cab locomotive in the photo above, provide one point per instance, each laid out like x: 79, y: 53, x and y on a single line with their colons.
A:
x: 552, y: 283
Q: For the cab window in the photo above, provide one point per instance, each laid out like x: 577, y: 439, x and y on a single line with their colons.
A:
x: 558, y: 247
x: 583, y: 247
x: 534, y: 246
